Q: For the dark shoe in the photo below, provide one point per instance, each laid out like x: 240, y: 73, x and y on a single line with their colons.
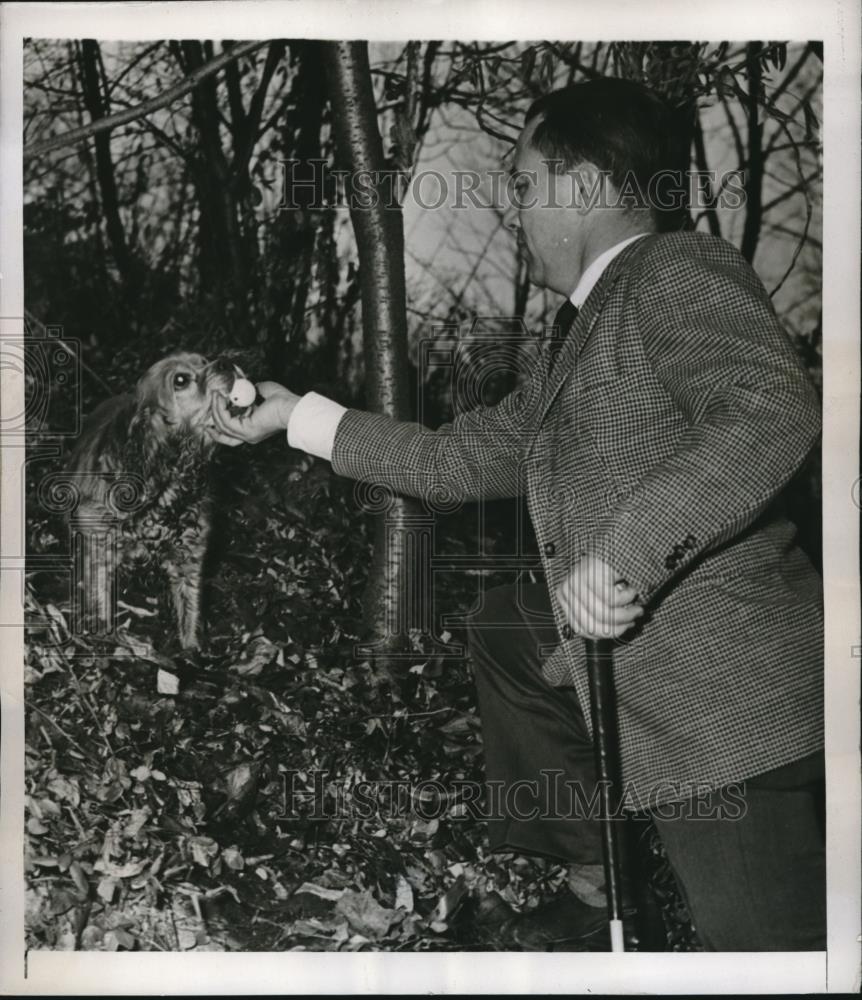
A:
x: 566, y: 919
x: 564, y: 922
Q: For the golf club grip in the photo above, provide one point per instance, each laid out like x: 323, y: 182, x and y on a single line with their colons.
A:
x: 599, y: 668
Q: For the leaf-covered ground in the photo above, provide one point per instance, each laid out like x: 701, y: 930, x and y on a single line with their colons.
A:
x: 274, y: 792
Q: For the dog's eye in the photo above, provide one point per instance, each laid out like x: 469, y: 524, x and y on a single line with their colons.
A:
x: 182, y: 380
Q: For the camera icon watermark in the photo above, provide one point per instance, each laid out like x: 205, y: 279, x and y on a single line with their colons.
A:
x: 90, y: 563
x: 46, y: 365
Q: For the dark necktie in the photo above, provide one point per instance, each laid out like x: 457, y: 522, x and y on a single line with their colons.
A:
x: 566, y: 315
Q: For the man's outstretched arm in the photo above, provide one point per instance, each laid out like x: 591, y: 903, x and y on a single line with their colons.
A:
x: 477, y: 455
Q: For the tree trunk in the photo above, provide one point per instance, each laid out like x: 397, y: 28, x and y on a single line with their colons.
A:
x: 97, y: 107
x: 709, y: 212
x: 379, y: 231
x: 296, y: 227
x: 222, y: 268
x: 754, y: 171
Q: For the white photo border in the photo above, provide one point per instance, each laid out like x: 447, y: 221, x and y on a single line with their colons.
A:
x: 838, y: 969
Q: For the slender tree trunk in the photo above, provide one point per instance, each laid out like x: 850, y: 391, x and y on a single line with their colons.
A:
x: 754, y: 173
x: 296, y: 228
x: 97, y: 107
x: 222, y: 265
x: 522, y: 286
x: 703, y: 166
x: 379, y: 233
x: 86, y: 154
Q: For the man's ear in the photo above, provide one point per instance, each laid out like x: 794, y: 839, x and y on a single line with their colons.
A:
x: 590, y: 186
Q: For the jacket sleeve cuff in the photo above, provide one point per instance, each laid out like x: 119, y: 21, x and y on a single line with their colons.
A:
x: 643, y: 567
x: 313, y: 424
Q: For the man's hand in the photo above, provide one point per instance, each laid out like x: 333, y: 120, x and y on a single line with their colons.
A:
x: 596, y: 603
x: 262, y: 422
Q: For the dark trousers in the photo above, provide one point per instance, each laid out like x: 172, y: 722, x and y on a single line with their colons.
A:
x: 756, y: 882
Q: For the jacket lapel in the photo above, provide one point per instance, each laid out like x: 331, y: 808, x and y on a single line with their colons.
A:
x: 583, y: 327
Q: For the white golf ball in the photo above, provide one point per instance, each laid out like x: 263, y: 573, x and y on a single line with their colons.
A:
x: 243, y: 392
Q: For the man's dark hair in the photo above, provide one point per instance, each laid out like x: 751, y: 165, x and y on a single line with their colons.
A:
x: 624, y: 129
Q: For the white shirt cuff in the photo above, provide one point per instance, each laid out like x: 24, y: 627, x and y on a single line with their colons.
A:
x: 313, y: 424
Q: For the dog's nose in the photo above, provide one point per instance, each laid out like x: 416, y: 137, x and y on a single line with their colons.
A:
x: 223, y: 366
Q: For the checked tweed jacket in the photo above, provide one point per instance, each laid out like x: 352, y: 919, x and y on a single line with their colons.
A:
x: 659, y: 441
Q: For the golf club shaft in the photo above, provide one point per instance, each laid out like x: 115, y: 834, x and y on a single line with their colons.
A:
x: 599, y: 667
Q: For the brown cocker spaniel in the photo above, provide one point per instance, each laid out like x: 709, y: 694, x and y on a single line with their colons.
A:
x: 140, y: 469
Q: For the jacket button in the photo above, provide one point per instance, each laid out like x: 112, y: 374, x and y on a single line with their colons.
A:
x: 567, y: 632
x: 550, y: 549
x: 690, y: 541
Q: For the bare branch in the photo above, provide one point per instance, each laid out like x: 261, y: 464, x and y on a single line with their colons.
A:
x: 164, y: 99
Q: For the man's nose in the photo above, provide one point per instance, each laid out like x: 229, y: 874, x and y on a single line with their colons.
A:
x: 510, y: 216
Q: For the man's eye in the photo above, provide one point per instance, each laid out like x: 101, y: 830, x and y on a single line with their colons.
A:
x: 182, y: 380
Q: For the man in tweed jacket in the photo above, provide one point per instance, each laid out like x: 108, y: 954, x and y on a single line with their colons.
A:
x: 652, y: 447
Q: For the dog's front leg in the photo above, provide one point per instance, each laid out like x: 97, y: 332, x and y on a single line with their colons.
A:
x: 185, y: 572
x: 185, y: 583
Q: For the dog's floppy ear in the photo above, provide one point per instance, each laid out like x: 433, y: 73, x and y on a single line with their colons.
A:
x: 104, y: 433
x: 151, y: 391
x: 153, y: 403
